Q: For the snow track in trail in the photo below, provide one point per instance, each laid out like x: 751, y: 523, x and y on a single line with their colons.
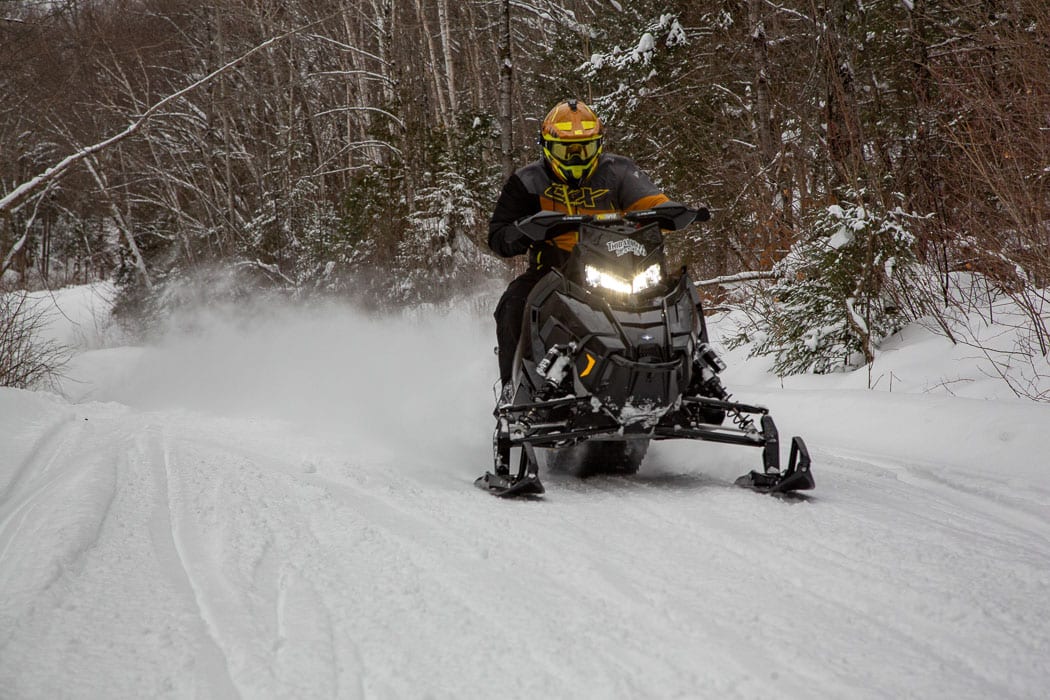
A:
x: 40, y: 486
x: 175, y: 554
x: 214, y: 675
x: 873, y: 577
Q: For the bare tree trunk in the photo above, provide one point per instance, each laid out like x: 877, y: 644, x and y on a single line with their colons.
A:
x: 506, y: 86
x: 474, y: 54
x: 45, y: 245
x: 923, y: 190
x: 770, y: 151
x: 354, y: 124
x: 450, y: 65
x: 227, y: 141
x: 841, y: 119
x: 442, y: 102
x: 759, y: 56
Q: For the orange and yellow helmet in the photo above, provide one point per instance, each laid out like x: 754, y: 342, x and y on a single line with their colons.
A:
x: 571, y: 137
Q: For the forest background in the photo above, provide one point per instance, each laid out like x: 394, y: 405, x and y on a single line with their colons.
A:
x: 857, y: 156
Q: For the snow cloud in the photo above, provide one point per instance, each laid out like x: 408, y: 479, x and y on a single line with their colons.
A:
x: 410, y: 382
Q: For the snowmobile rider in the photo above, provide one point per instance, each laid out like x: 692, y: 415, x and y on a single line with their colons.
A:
x: 574, y: 176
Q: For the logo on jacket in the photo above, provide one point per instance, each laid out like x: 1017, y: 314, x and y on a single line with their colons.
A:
x: 583, y: 197
x: 624, y: 246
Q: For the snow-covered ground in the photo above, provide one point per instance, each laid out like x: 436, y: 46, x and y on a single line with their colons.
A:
x: 281, y: 507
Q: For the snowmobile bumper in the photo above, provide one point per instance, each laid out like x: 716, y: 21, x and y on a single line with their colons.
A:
x: 571, y: 419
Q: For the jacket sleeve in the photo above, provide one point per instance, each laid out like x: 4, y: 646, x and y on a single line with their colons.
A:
x: 638, y: 191
x: 515, y: 202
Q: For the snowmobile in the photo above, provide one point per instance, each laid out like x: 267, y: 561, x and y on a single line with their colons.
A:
x: 614, y: 353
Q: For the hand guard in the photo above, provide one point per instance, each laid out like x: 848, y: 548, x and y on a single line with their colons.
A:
x: 545, y: 225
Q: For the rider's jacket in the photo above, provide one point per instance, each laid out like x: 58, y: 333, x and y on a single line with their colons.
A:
x: 616, y: 185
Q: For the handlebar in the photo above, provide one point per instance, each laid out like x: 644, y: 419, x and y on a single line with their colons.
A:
x: 670, y: 215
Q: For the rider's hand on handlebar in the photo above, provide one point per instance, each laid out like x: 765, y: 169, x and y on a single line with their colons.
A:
x: 541, y: 226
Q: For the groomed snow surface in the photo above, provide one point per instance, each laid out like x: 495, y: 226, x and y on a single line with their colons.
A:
x: 279, y: 505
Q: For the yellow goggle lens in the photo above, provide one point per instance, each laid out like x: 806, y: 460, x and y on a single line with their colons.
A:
x: 578, y: 151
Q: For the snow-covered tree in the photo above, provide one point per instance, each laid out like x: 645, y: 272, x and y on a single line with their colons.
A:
x: 838, y: 291
x: 440, y: 250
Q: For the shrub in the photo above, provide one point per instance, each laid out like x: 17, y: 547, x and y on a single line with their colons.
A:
x: 838, y: 291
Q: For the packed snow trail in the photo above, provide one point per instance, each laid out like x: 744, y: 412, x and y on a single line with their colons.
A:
x: 261, y: 516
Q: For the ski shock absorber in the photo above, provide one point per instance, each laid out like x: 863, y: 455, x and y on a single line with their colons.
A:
x: 709, y: 358
x: 710, y: 366
x: 739, y: 419
x: 553, y: 367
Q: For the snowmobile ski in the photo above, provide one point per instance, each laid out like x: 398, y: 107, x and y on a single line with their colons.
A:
x: 510, y: 487
x: 499, y: 482
x: 797, y: 477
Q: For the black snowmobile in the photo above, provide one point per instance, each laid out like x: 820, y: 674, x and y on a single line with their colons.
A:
x: 614, y: 353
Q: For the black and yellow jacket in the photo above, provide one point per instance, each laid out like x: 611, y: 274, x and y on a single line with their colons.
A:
x: 617, y: 185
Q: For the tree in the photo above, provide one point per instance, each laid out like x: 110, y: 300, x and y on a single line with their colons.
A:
x: 838, y: 293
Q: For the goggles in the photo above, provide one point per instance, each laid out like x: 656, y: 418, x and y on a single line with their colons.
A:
x: 573, y: 151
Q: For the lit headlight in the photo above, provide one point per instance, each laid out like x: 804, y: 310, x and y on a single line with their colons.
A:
x: 650, y: 277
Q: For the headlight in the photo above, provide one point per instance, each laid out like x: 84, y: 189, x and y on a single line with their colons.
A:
x: 650, y: 277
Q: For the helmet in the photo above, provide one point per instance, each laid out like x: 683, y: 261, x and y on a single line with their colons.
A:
x: 571, y: 137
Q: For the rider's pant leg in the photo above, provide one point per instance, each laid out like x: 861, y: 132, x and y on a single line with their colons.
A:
x: 509, y: 314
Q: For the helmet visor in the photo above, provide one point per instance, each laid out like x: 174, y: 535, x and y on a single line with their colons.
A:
x: 574, y: 152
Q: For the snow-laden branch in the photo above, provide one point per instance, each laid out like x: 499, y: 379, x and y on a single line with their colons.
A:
x: 348, y: 47
x: 337, y: 110
x: 740, y: 277
x: 554, y: 13
x: 18, y: 195
x: 367, y: 73
x: 271, y: 269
